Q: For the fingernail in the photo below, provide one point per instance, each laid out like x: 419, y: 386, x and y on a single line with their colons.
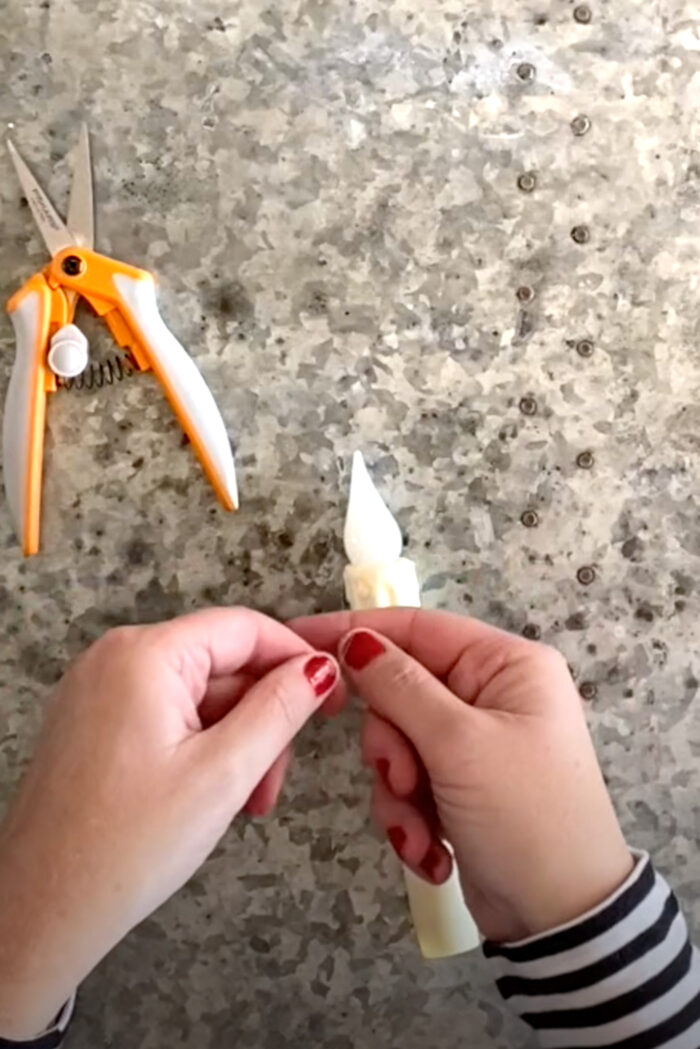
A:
x: 382, y: 768
x: 397, y: 837
x: 321, y: 673
x: 432, y: 861
x: 361, y: 649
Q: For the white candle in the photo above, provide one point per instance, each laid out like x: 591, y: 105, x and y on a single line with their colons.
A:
x: 379, y: 577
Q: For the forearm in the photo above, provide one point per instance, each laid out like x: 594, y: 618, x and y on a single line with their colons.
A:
x: 623, y: 975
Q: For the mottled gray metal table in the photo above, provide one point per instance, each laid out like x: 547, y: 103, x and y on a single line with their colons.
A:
x: 333, y: 197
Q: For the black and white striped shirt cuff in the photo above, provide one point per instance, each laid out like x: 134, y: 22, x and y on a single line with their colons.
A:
x: 624, y: 975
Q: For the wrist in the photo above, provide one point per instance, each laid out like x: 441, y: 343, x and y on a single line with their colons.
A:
x: 574, y: 887
x: 35, y: 972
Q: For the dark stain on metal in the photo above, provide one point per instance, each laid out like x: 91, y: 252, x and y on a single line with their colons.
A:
x: 585, y: 575
x: 585, y: 460
x: 526, y: 72
x: 524, y: 327
x: 530, y: 519
x: 588, y: 690
x: 581, y: 125
x: 527, y: 182
x: 525, y: 293
x: 584, y: 348
x: 528, y: 406
x: 532, y: 632
x: 581, y: 234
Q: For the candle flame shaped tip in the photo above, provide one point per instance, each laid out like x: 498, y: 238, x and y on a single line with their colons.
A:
x: 372, y: 534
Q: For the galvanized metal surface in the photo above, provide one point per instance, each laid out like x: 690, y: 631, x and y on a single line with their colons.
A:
x: 464, y: 237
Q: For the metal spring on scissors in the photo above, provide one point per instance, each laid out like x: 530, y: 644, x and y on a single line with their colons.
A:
x: 102, y: 373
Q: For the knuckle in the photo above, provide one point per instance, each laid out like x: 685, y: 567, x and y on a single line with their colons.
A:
x: 405, y: 674
x: 116, y: 642
x: 120, y: 650
x: 550, y: 659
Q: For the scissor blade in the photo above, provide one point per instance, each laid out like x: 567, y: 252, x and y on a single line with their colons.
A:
x: 81, y: 209
x: 56, y: 234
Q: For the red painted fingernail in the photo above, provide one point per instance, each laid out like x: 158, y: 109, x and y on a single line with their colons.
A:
x: 382, y: 767
x: 361, y: 649
x: 432, y: 861
x: 397, y: 837
x: 321, y: 673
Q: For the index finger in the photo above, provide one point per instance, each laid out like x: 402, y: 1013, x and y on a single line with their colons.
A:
x: 438, y: 640
x: 219, y: 641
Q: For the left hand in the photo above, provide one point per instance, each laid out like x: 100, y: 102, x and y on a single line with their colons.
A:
x: 155, y: 739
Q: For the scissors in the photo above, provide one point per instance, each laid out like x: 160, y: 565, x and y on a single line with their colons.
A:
x: 50, y: 347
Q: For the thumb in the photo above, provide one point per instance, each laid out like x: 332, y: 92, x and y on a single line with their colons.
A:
x: 265, y: 721
x: 401, y: 690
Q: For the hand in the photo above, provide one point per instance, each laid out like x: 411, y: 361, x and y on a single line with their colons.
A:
x: 155, y: 739
x: 479, y: 737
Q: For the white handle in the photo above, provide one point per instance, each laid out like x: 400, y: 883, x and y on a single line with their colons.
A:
x: 25, y: 416
x: 189, y: 395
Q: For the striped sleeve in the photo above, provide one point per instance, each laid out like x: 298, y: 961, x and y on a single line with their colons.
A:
x: 624, y: 976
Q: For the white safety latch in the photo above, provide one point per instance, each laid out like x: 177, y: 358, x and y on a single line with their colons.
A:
x: 68, y: 355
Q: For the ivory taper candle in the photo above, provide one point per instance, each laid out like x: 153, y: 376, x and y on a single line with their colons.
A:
x: 379, y: 577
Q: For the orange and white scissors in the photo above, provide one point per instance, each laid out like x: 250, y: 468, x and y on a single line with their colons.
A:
x: 49, y: 345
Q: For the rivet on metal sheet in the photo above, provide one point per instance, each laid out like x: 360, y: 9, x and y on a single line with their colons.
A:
x: 588, y: 690
x: 528, y: 406
x: 525, y: 294
x: 581, y: 234
x: 526, y: 72
x: 584, y: 348
x: 581, y: 125
x: 583, y: 14
x: 530, y: 519
x: 532, y: 632
x: 527, y: 182
x: 585, y: 575
x: 585, y: 460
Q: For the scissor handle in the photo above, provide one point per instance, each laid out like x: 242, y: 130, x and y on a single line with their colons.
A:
x: 112, y: 286
x: 25, y: 410
x: 189, y: 396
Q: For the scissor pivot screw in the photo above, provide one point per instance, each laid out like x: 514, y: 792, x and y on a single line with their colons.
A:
x: 73, y: 265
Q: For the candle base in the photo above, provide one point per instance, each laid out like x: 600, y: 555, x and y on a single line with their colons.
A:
x: 444, y: 927
x: 382, y: 585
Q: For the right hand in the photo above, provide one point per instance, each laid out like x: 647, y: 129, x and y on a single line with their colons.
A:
x: 479, y: 737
